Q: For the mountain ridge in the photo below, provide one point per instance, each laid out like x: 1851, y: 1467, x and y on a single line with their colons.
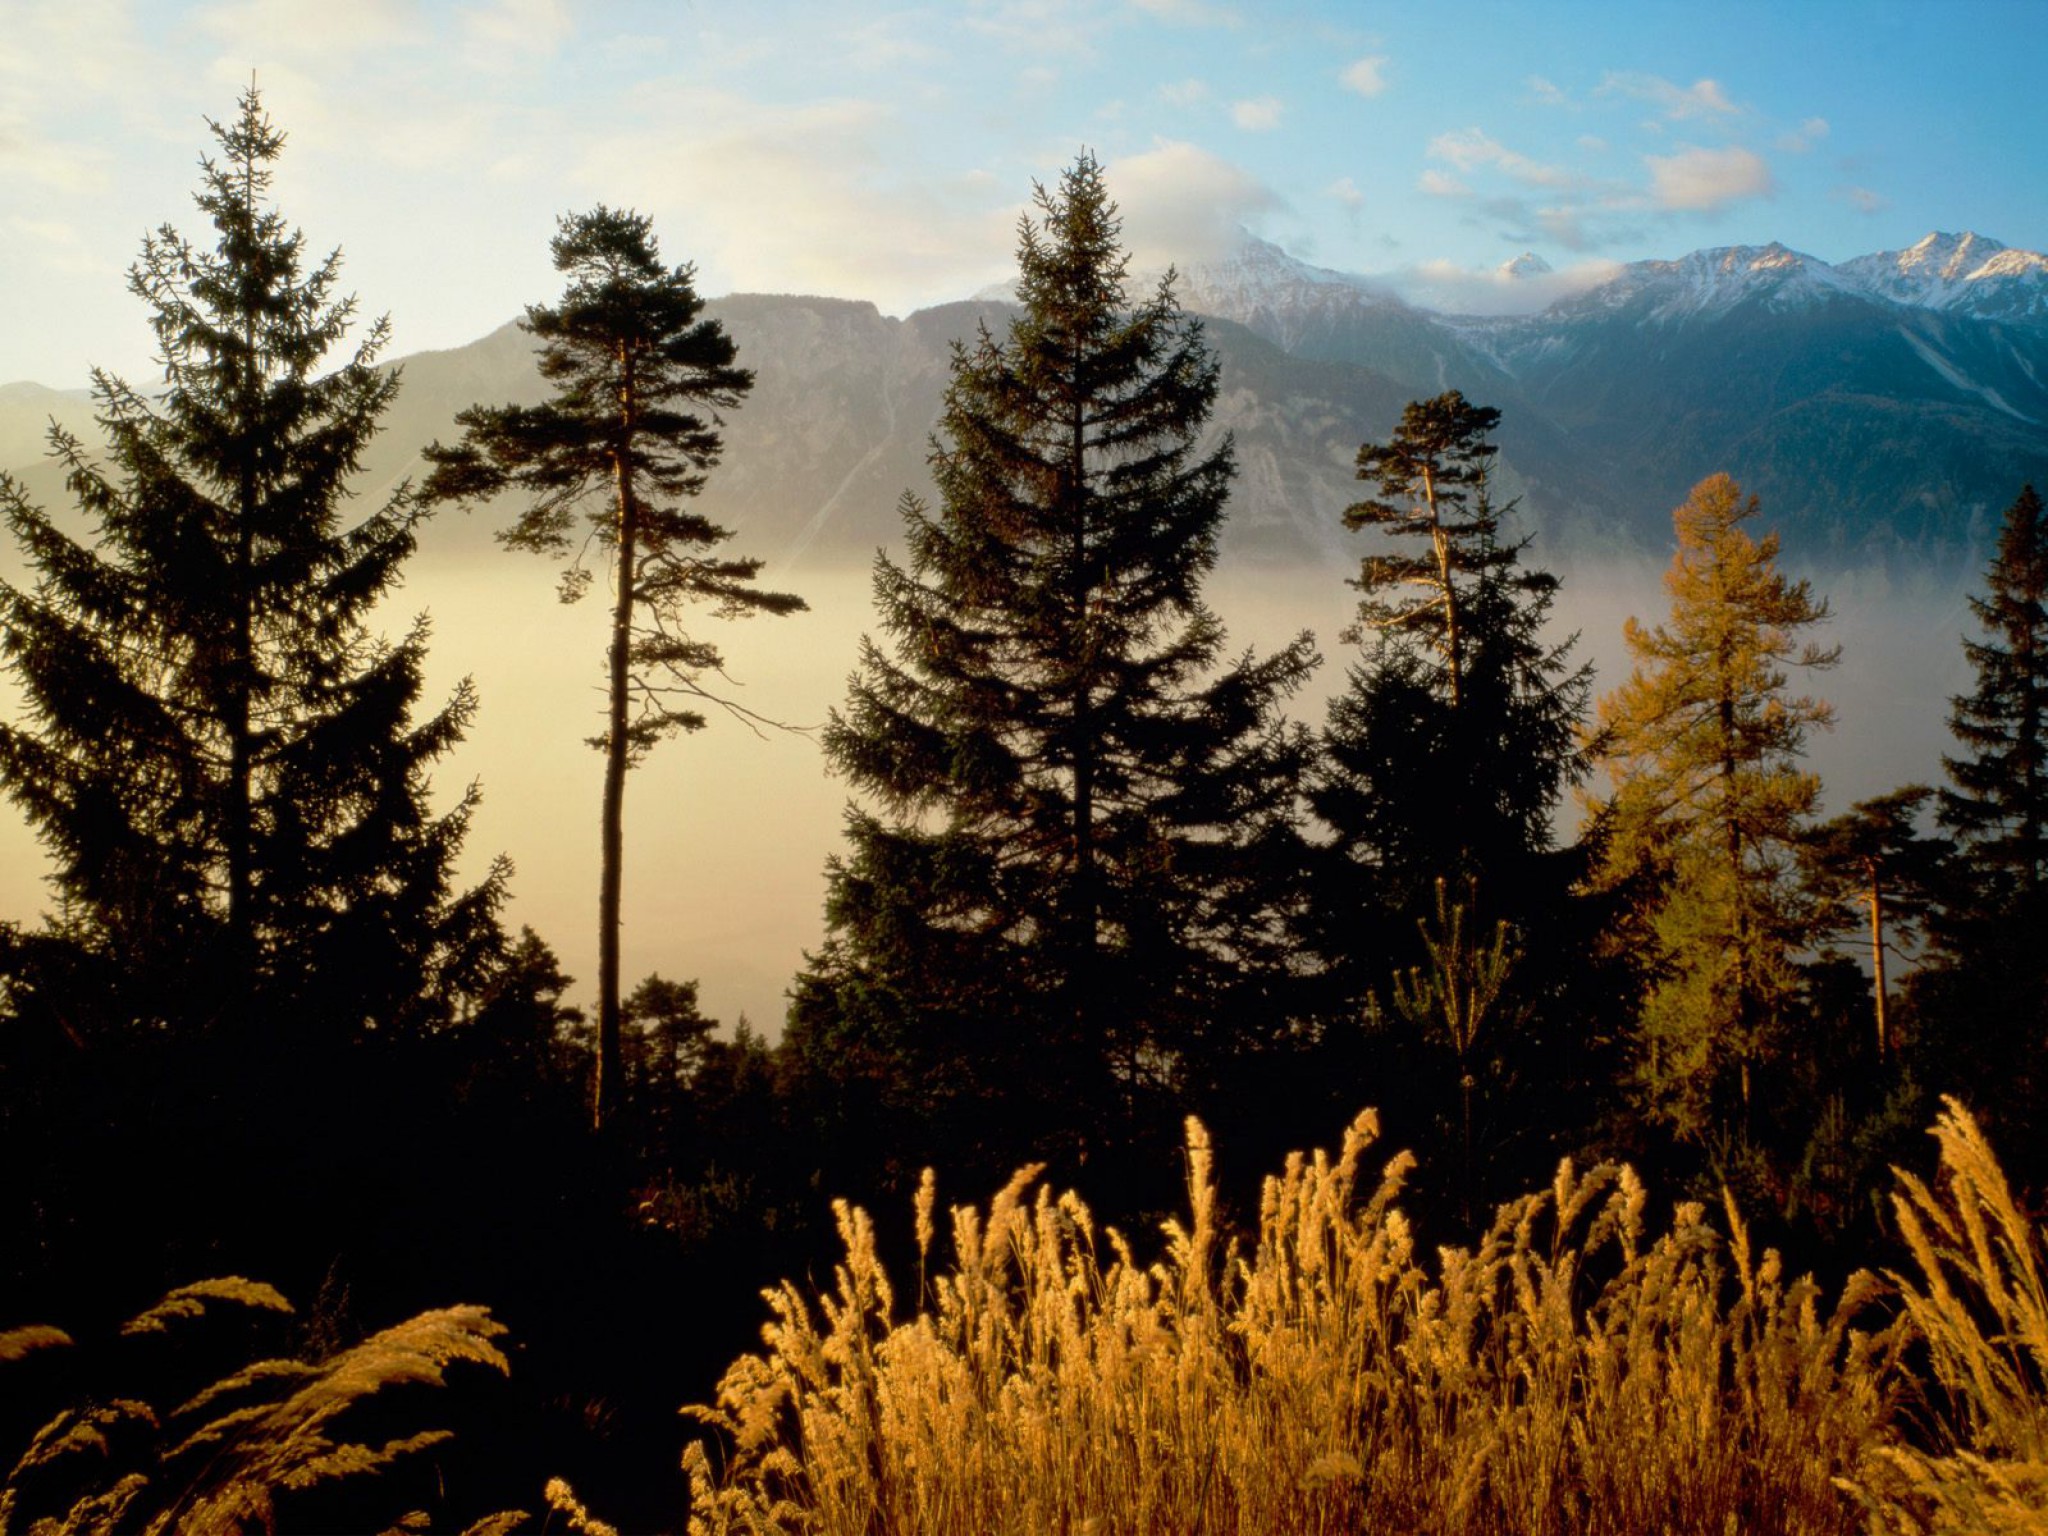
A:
x: 1885, y: 408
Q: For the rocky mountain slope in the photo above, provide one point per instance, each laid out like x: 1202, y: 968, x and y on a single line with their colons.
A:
x: 1885, y: 408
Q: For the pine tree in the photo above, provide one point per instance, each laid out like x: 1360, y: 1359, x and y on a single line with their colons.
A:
x: 1874, y: 862
x: 1979, y: 1009
x: 219, y: 757
x: 1703, y: 745
x: 1064, y: 888
x: 1997, y: 802
x: 1449, y: 751
x: 1443, y: 762
x: 627, y: 440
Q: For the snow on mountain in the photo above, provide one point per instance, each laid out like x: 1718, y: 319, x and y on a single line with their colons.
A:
x: 1257, y: 285
x: 1963, y: 274
x: 1713, y: 282
x: 1258, y: 275
x: 1260, y: 286
x: 1526, y: 265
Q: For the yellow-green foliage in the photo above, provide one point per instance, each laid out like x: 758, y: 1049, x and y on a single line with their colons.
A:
x: 1570, y: 1375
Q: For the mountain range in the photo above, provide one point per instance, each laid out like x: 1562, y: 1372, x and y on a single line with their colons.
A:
x: 1885, y: 408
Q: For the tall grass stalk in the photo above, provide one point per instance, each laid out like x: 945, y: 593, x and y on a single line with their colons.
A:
x: 1974, y: 1455
x: 1569, y: 1374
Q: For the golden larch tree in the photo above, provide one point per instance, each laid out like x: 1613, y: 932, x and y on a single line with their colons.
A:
x: 1703, y: 746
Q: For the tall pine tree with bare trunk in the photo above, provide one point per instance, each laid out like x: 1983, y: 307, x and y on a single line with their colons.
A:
x: 626, y: 442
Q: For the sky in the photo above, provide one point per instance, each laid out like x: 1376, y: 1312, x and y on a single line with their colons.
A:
x: 886, y: 152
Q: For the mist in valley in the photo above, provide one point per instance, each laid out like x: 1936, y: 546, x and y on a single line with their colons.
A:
x: 728, y: 830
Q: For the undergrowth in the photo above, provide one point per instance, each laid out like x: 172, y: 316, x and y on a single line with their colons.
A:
x: 1572, y: 1373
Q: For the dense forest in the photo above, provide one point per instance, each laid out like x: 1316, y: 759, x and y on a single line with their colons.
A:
x: 322, y: 1208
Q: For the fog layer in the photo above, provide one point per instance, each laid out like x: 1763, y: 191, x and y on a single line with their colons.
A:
x: 728, y: 831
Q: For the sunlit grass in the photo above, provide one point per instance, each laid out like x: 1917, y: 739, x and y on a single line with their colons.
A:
x: 1572, y: 1373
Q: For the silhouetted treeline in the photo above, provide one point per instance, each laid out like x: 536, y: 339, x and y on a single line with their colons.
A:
x: 1096, y: 877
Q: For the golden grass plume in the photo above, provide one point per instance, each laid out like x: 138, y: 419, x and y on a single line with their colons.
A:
x: 1570, y: 1374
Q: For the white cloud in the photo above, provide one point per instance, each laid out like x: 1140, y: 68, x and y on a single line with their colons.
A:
x: 63, y: 249
x: 1366, y: 76
x: 1259, y: 115
x: 1706, y: 180
x: 1862, y: 199
x: 1185, y: 93
x: 1184, y: 204
x: 1190, y: 13
x: 1444, y: 285
x: 1441, y: 184
x: 1701, y: 99
x: 803, y: 199
x: 47, y: 163
x: 314, y: 30
x: 1063, y: 27
x: 1804, y: 137
x: 529, y: 29
x: 1345, y: 191
x: 1470, y: 148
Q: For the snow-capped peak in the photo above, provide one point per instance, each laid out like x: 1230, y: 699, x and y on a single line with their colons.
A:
x: 1718, y: 279
x: 1250, y: 277
x: 1526, y: 265
x: 1257, y: 272
x: 1965, y: 273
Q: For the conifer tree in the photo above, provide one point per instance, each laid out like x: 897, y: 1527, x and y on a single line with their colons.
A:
x: 1873, y: 861
x: 1443, y: 762
x: 1980, y: 1008
x: 639, y: 375
x: 1069, y: 863
x: 1703, y: 746
x: 1997, y: 799
x: 1451, y: 747
x: 220, y: 758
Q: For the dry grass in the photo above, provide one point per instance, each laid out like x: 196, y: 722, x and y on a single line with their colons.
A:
x: 1570, y: 1375
x: 1978, y: 1458
x: 254, y: 1449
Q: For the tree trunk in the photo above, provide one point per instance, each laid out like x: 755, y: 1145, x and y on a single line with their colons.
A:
x: 1454, y: 656
x: 1877, y: 957
x: 241, y: 815
x: 1081, y: 974
x: 605, y: 1099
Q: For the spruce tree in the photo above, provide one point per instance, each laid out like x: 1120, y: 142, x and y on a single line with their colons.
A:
x: 1443, y: 762
x: 220, y: 758
x: 1996, y: 801
x: 1708, y: 805
x: 1874, y: 863
x: 1979, y: 1010
x: 1062, y: 903
x: 1450, y: 749
x: 622, y: 447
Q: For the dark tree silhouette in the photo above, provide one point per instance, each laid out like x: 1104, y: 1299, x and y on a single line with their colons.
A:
x: 1449, y: 751
x: 1067, y: 875
x: 218, y: 755
x: 1997, y: 799
x: 623, y: 446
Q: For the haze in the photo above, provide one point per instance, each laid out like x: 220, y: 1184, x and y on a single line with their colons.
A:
x: 729, y: 832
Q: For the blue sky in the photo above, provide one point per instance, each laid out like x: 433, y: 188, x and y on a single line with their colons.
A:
x: 884, y: 152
